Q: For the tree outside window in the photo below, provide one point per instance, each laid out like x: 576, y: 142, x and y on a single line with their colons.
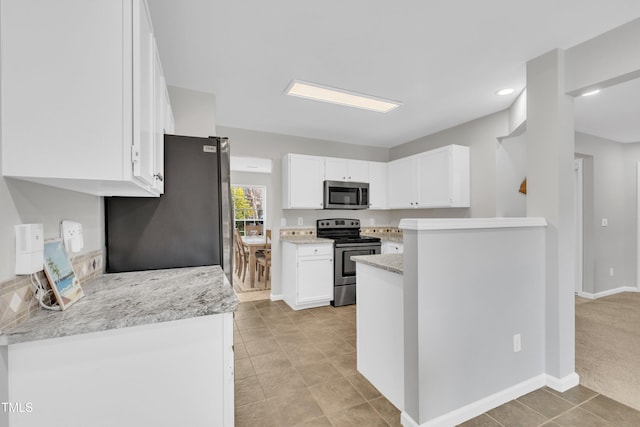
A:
x: 249, y: 202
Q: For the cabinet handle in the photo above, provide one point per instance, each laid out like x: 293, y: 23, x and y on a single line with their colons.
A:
x: 159, y: 177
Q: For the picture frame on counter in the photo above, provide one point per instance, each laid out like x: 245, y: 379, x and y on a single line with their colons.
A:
x: 60, y: 274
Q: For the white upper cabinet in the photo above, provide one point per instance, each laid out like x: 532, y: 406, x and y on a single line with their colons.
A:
x: 403, y: 183
x: 302, y: 181
x: 378, y: 185
x: 79, y: 87
x: 434, y: 179
x: 346, y: 170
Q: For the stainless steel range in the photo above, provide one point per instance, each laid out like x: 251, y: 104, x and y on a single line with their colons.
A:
x: 347, y: 243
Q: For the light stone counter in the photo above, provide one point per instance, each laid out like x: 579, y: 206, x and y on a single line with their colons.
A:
x: 304, y: 239
x: 122, y: 300
x: 389, y: 262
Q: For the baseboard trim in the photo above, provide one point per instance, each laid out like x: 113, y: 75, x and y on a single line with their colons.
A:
x: 479, y: 407
x: 597, y: 295
x: 563, y: 384
x: 275, y: 297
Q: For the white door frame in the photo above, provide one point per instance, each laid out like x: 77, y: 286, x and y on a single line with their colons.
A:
x: 579, y: 226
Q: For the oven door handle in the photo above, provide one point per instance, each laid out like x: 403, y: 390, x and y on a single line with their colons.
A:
x: 358, y: 245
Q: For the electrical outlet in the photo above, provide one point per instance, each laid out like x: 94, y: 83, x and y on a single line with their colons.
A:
x: 517, y: 343
x: 605, y: 222
x: 300, y: 221
x: 611, y: 271
x: 371, y: 221
x: 283, y: 222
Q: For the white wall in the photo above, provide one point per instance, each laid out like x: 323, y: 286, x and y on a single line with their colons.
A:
x: 274, y: 146
x: 481, y: 136
x: 613, y: 198
x: 484, y: 285
x: 194, y: 112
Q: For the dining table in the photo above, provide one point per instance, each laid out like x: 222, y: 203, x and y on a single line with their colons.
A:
x: 254, y: 243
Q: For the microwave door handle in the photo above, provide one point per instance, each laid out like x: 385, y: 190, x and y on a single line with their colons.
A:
x: 359, y: 196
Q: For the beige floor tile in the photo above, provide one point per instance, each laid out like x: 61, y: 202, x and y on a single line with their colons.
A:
x: 244, y: 368
x: 293, y: 407
x: 255, y: 414
x: 481, y: 421
x: 334, y: 346
x: 333, y: 396
x: 239, y: 350
x: 359, y: 415
x: 318, y: 372
x: 576, y: 395
x: 514, y: 414
x: 578, y: 417
x: 548, y: 404
x: 363, y: 386
x: 345, y: 363
x: 250, y: 323
x: 285, y: 379
x: 316, y: 422
x: 616, y: 413
x: 248, y: 390
x: 246, y: 314
x: 270, y: 362
x: 255, y: 334
x: 302, y: 354
x: 386, y: 409
x: 263, y: 346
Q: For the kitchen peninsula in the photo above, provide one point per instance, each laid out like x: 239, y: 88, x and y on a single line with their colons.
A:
x: 141, y: 348
x: 455, y: 325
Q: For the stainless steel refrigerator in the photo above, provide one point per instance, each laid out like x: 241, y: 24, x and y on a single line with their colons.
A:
x: 189, y: 225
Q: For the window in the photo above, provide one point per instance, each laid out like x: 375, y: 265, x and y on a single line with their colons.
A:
x: 249, y: 206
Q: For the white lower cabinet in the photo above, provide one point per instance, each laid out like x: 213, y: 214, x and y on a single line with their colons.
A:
x: 392, y: 248
x: 185, y: 366
x: 307, y: 274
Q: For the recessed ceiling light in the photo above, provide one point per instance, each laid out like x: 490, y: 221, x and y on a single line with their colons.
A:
x: 339, y: 96
x: 505, y: 91
x: 593, y: 92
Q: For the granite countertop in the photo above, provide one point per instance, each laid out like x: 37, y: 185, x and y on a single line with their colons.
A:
x: 385, y: 237
x: 389, y: 262
x: 121, y: 300
x: 304, y: 239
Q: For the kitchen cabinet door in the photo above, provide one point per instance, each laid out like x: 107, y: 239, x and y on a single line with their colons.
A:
x: 78, y: 95
x: 378, y: 185
x: 403, y: 183
x: 159, y: 100
x: 144, y: 143
x: 302, y: 180
x: 337, y: 169
x: 392, y: 248
x: 444, y: 177
x: 315, y: 279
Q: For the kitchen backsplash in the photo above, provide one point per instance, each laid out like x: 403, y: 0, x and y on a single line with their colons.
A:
x: 298, y: 231
x: 16, y: 295
x: 382, y: 231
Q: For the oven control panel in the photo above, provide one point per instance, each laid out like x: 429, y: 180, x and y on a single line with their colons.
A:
x: 338, y: 223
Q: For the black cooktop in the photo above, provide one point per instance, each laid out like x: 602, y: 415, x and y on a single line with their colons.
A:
x: 342, y: 230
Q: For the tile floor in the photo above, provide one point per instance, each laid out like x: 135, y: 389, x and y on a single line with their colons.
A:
x: 298, y: 368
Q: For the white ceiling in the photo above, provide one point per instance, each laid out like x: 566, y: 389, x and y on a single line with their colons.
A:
x: 443, y: 59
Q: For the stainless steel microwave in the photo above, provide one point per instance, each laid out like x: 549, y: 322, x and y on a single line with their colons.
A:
x: 346, y: 195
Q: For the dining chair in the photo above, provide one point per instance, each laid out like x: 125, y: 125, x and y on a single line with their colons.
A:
x: 242, y: 255
x: 248, y: 229
x: 263, y: 259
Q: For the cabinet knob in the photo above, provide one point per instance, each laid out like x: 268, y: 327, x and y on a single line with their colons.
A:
x: 343, y: 177
x: 159, y: 177
x: 349, y: 177
x: 411, y: 203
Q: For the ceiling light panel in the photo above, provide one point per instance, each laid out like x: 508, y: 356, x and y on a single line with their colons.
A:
x: 322, y: 93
